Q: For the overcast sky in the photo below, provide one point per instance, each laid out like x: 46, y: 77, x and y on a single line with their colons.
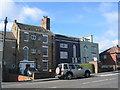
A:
x: 77, y: 19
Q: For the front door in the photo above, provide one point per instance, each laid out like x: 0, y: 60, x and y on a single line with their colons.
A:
x: 27, y: 65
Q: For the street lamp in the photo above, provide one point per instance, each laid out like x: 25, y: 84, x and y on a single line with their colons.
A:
x: 3, y: 57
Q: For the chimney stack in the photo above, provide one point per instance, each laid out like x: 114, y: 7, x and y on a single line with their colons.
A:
x: 45, y: 23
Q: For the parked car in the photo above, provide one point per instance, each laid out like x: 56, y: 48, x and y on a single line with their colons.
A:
x: 29, y: 71
x: 69, y: 71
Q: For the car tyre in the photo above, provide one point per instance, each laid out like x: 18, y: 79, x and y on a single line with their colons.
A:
x: 87, y: 74
x: 69, y: 76
x: 60, y: 78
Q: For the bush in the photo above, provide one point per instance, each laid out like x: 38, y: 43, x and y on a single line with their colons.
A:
x: 88, y: 65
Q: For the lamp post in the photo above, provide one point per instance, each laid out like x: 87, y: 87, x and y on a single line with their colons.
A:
x: 3, y: 57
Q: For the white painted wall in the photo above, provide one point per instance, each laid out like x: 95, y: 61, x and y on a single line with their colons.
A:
x: 23, y: 63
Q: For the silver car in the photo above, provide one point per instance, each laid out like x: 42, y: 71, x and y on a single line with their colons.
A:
x: 69, y: 71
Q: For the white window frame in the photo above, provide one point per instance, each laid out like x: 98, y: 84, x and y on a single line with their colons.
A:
x: 33, y: 37
x: 47, y: 39
x: 63, y: 45
x: 63, y: 55
x: 47, y: 51
x: 33, y: 51
x: 25, y: 57
x: 47, y: 65
x: 27, y: 37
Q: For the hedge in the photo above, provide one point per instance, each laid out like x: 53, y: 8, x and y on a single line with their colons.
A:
x: 88, y: 65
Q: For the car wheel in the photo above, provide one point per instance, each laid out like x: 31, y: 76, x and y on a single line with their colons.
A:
x: 69, y: 76
x: 60, y: 77
x: 87, y: 74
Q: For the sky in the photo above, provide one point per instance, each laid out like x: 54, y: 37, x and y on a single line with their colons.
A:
x: 76, y: 19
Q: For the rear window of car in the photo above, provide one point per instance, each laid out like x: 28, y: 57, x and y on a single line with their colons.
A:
x: 65, y: 66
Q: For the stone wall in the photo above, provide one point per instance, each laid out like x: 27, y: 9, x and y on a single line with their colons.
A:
x: 95, y: 65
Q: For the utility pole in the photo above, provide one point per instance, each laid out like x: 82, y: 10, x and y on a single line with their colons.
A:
x: 3, y: 57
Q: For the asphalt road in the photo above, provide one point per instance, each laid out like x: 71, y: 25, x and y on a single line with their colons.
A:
x: 102, y: 80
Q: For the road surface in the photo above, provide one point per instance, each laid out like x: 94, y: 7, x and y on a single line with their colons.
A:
x: 101, y: 80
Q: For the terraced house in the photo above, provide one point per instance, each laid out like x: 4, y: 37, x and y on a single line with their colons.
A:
x: 35, y: 46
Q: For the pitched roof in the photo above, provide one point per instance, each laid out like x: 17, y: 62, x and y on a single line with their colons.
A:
x: 9, y: 35
x: 32, y: 28
x: 66, y: 36
x: 115, y: 49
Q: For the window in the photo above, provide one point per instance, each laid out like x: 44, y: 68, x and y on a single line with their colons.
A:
x: 63, y: 45
x: 71, y: 66
x: 78, y: 67
x: 39, y: 38
x: 104, y: 56
x: 25, y: 52
x: 45, y: 38
x: 65, y: 66
x: 74, y: 51
x: 39, y: 52
x: 26, y: 36
x: 118, y: 56
x: 33, y: 51
x: 13, y: 65
x: 93, y: 48
x: 33, y: 37
x: 63, y: 55
x: 45, y: 65
x: 45, y: 51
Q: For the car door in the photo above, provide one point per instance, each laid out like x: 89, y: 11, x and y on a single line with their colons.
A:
x: 73, y: 69
x: 80, y: 71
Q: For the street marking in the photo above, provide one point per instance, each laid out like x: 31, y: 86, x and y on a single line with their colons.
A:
x: 99, y: 81
x: 53, y: 87
x: 108, y: 75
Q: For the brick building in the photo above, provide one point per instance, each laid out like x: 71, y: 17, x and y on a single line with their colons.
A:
x: 111, y: 56
x: 35, y: 46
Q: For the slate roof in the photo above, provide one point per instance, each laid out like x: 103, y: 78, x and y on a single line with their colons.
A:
x: 9, y: 35
x: 63, y: 36
x: 32, y: 28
